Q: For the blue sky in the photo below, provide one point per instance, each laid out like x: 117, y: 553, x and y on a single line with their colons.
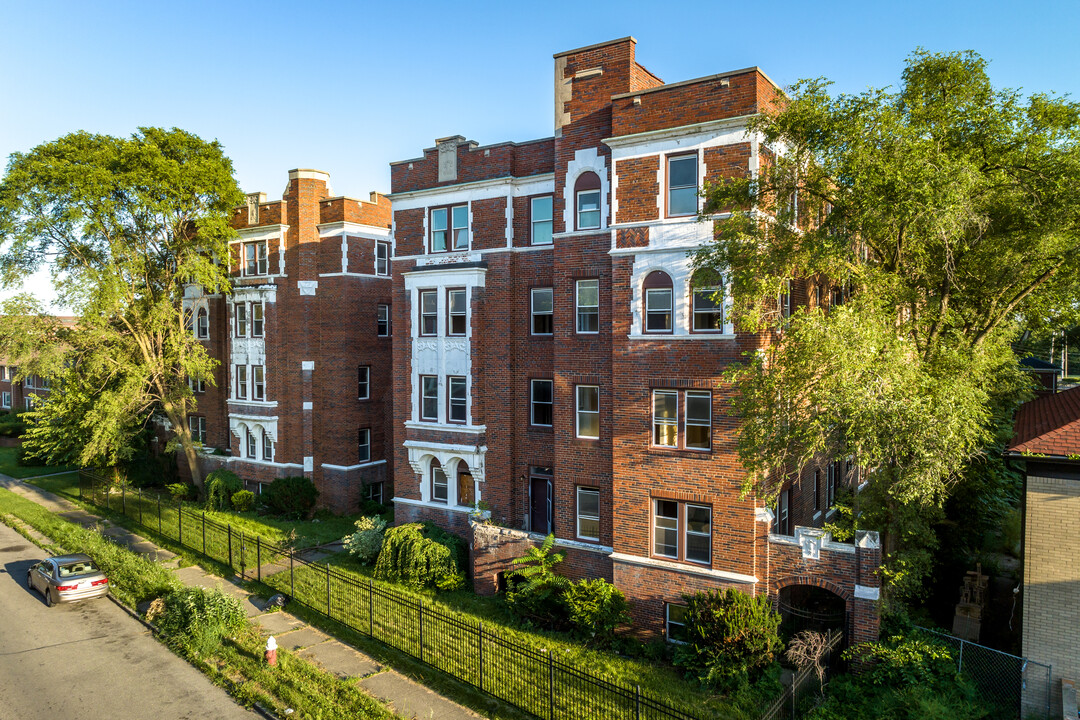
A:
x: 348, y: 87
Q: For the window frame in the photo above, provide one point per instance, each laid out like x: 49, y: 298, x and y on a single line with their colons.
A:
x: 258, y: 326
x: 678, y: 157
x: 363, y: 382
x: 694, y: 312
x: 433, y: 398
x: 6, y: 400
x: 424, y: 315
x: 664, y: 422
x: 197, y: 428
x: 261, y: 261
x: 533, y: 315
x: 445, y: 485
x: 382, y: 256
x: 258, y: 383
x: 250, y: 447
x: 533, y: 403
x: 267, y: 446
x: 451, y: 380
x: 578, y: 307
x: 578, y: 490
x: 578, y: 412
x: 668, y: 622
x: 241, y: 380
x: 450, y: 240
x: 450, y: 314
x: 585, y: 185
x: 382, y: 324
x: 682, y: 531
x: 363, y: 445
x: 533, y: 222
x: 240, y: 322
x: 202, y: 323
x: 687, y: 424
x: 657, y: 282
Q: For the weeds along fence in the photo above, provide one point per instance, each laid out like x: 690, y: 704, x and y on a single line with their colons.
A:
x: 806, y: 688
x: 1015, y: 686
x: 527, y: 677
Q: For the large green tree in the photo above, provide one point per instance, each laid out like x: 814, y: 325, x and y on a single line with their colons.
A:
x: 928, y: 219
x: 125, y: 224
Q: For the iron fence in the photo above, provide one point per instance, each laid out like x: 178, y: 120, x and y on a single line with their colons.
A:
x: 527, y: 677
x: 1015, y: 686
x: 806, y: 689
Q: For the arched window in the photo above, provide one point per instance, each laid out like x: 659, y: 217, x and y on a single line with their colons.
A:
x: 202, y: 324
x: 465, y: 486
x: 658, y: 302
x: 707, y: 299
x: 438, y: 482
x: 587, y: 201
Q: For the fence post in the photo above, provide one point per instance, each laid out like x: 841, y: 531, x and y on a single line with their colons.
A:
x: 159, y: 513
x: 242, y: 544
x: 228, y: 528
x: 258, y: 557
x: 180, y: 522
x: 480, y: 635
x: 637, y: 702
x: 292, y: 582
x: 960, y: 665
x: 551, y: 684
x: 204, y: 532
x: 421, y: 631
x: 328, y: 592
x: 371, y: 607
x: 140, y: 506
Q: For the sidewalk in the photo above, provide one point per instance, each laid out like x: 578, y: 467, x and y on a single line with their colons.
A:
x: 405, y: 696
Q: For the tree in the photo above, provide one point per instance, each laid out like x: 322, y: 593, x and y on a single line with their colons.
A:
x: 932, y: 218
x: 126, y: 224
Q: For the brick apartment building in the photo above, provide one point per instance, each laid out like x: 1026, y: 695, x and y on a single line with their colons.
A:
x: 19, y: 395
x: 304, y: 344
x: 557, y: 364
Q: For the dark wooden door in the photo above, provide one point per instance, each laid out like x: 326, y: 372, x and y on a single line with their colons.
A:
x: 540, y: 505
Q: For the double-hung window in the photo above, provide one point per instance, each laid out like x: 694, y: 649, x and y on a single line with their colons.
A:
x: 543, y: 311
x: 658, y: 302
x: 587, y: 199
x: 256, y: 319
x: 255, y: 258
x: 258, y: 385
x: 682, y: 531
x: 268, y: 447
x: 708, y: 309
x: 834, y: 473
x: 6, y: 401
x: 541, y: 401
x: 241, y: 382
x: 682, y: 185
x: 456, y: 318
x: 587, y: 305
x: 784, y: 300
x: 382, y: 258
x: 429, y: 398
x: 202, y: 324
x: 588, y: 513
x: 666, y: 418
x: 438, y: 484
x: 450, y: 228
x: 429, y: 312
x: 588, y: 411
x: 458, y: 400
x: 540, y: 214
x: 252, y: 449
x: 696, y: 421
x: 240, y: 313
x: 363, y: 445
x: 382, y: 320
x: 817, y: 490
x: 197, y: 425
x: 675, y: 622
x: 363, y: 382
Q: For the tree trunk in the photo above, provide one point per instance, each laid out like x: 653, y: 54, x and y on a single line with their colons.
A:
x: 183, y: 434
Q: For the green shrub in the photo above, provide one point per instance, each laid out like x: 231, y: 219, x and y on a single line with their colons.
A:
x: 370, y: 507
x: 409, y: 557
x: 11, y: 425
x: 291, y: 497
x: 195, y: 618
x: 220, y: 486
x: 730, y: 638
x: 596, y: 608
x: 534, y: 592
x: 23, y: 458
x: 243, y: 500
x: 365, y: 543
x: 183, y: 491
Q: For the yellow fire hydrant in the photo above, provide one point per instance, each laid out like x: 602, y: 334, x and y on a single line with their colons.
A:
x: 271, y: 652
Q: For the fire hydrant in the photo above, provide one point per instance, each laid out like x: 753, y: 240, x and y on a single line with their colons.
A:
x: 271, y: 652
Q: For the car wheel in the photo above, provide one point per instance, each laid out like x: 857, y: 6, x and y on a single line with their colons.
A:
x: 48, y: 598
x: 30, y: 582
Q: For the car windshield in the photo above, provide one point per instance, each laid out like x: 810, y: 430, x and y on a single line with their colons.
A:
x: 77, y: 568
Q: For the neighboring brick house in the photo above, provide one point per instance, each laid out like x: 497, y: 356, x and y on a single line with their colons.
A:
x: 303, y: 387
x: 19, y: 395
x: 556, y: 362
x: 1047, y: 441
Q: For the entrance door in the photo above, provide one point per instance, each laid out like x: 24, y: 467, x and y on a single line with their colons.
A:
x: 465, y: 488
x: 540, y: 505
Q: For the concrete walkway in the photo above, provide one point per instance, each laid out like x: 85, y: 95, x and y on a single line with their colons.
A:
x: 405, y: 696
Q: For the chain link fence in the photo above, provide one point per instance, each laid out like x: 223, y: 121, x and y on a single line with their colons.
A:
x: 1015, y: 686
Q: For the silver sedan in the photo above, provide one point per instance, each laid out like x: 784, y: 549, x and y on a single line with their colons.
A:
x: 67, y: 578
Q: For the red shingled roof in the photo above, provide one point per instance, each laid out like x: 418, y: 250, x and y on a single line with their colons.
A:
x: 1049, y: 425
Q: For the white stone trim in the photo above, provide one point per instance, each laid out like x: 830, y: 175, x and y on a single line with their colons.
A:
x: 681, y: 568
x: 308, y: 405
x: 307, y: 287
x: 830, y: 545
x: 693, y: 336
x: 446, y: 427
x: 466, y: 509
x: 344, y: 228
x: 255, y: 403
x: 480, y: 190
x: 328, y: 466
x: 309, y: 463
x: 268, y: 463
x: 702, y: 130
x: 307, y: 365
x: 239, y: 422
x: 354, y: 274
x: 862, y: 592
x: 585, y: 160
x: 261, y: 232
x: 422, y: 453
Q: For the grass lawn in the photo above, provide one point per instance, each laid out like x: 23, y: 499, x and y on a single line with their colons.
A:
x: 308, y: 533
x: 65, y: 484
x: 9, y: 466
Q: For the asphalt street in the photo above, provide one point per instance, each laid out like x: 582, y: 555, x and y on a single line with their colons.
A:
x: 89, y: 659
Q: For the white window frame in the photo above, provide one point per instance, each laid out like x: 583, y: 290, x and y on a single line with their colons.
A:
x: 581, y: 195
x: 260, y: 261
x: 423, y: 397
x: 680, y: 158
x: 694, y: 312
x: 267, y: 446
x: 197, y: 427
x: 202, y: 323
x: 682, y: 531
x: 240, y: 320
x: 425, y: 314
x: 463, y: 314
x: 580, y: 516
x: 241, y: 382
x: 363, y: 445
x: 252, y: 450
x: 578, y: 412
x: 363, y: 382
x: 258, y: 319
x: 452, y: 235
x: 197, y: 386
x: 533, y: 315
x: 650, y: 293
x: 445, y: 484
x: 7, y: 400
x: 463, y: 403
x: 589, y: 309
x: 258, y: 383
x: 658, y: 422
x: 382, y: 258
x: 382, y: 320
x: 696, y: 422
x: 533, y: 222
x: 668, y: 622
x: 533, y: 403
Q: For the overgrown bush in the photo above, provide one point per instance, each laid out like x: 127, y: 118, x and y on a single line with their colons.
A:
x: 411, y: 557
x: 11, y: 425
x: 291, y: 497
x: 24, y: 458
x: 370, y: 507
x: 730, y: 638
x: 183, y: 491
x: 596, y: 608
x: 195, y: 619
x: 366, y: 542
x: 243, y: 500
x: 534, y: 591
x: 220, y: 487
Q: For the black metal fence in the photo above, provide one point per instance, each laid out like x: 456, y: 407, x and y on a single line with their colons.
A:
x: 527, y: 677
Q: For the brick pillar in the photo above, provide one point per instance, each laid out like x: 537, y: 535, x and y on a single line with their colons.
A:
x: 866, y: 618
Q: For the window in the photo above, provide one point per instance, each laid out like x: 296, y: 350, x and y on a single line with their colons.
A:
x: 454, y: 236
x: 429, y: 312
x: 255, y: 258
x: 458, y: 400
x: 699, y: 420
x: 4, y: 373
x: 429, y: 398
x: 438, y: 484
x: 784, y: 301
x: 197, y: 425
x: 240, y: 313
x: 588, y: 411
x: 363, y: 382
x: 783, y: 512
x: 682, y: 531
x: 832, y: 478
x: 241, y: 382
x: 382, y: 258
x: 258, y: 386
x: 666, y: 418
x: 374, y: 492
x: 587, y: 194
x: 682, y: 185
x: 540, y: 402
x: 251, y: 447
x: 256, y: 319
x: 587, y: 303
x: 707, y: 294
x: 268, y: 447
x: 543, y: 311
x: 456, y: 319
x: 202, y: 324
x: 466, y: 486
x: 817, y: 490
x: 588, y: 513
x: 382, y: 320
x: 197, y: 386
x: 6, y: 400
x: 363, y: 445
x: 675, y: 622
x: 540, y: 214
x: 657, y: 289
x: 28, y: 402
